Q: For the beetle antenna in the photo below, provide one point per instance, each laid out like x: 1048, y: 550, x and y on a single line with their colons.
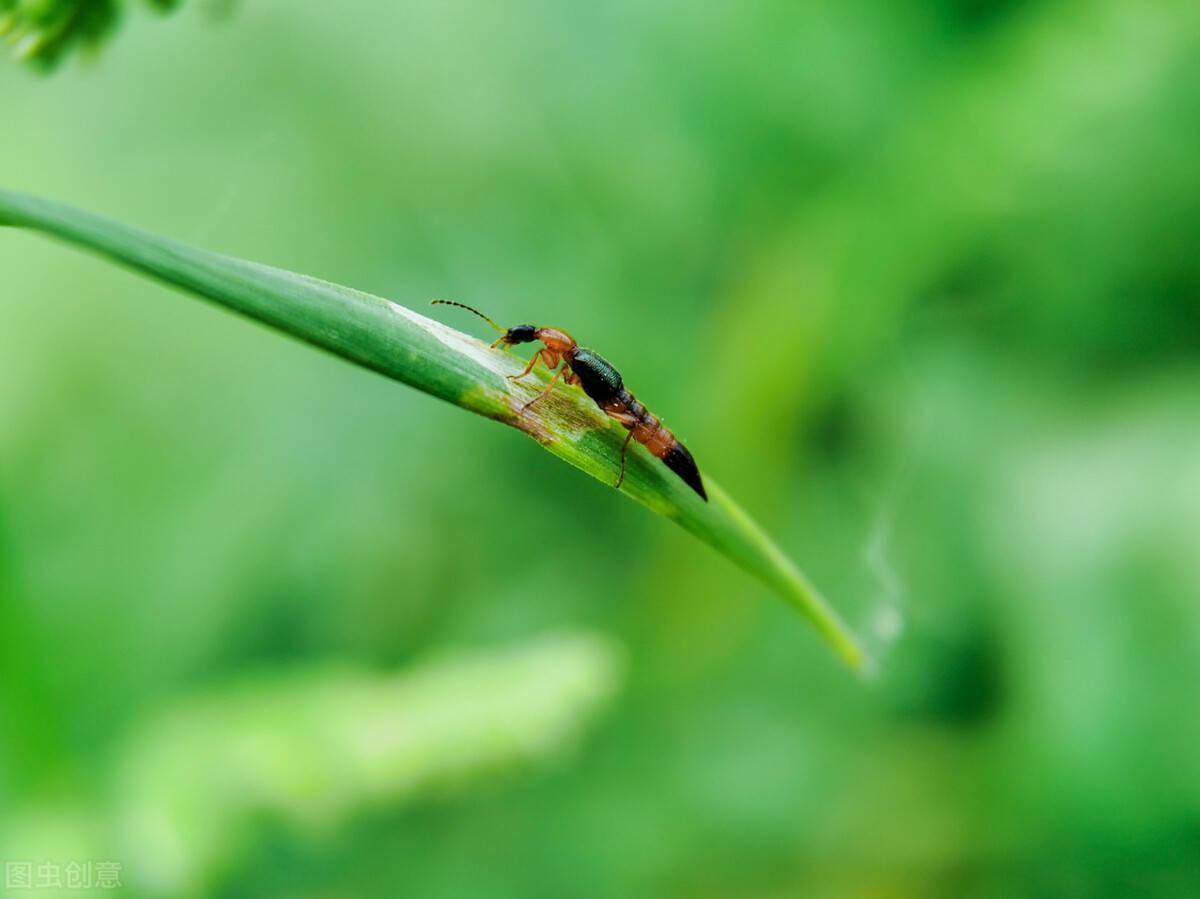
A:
x: 469, y: 309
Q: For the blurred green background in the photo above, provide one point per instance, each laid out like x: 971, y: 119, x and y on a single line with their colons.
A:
x: 917, y: 282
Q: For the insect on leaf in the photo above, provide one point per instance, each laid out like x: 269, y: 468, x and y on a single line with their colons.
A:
x: 453, y: 366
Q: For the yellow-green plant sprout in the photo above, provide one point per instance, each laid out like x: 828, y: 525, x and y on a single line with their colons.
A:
x: 409, y: 347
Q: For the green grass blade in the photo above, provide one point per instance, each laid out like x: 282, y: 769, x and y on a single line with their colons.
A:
x: 409, y: 347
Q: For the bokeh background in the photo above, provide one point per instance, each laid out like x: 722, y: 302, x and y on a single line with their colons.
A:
x: 917, y: 281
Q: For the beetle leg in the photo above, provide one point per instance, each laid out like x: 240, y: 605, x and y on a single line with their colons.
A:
x: 528, y: 368
x: 546, y: 355
x: 549, y: 387
x: 629, y: 421
x: 624, y: 447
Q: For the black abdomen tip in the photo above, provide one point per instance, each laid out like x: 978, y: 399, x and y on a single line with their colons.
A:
x: 680, y: 461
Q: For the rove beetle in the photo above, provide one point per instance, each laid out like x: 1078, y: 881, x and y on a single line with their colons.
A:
x: 603, y: 384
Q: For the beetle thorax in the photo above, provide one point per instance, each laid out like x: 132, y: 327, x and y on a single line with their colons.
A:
x: 556, y: 340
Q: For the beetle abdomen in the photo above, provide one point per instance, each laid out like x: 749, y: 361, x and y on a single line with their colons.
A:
x: 603, y: 384
x: 658, y: 440
x: 680, y: 461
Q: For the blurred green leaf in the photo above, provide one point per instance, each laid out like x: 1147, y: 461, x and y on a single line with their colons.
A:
x: 401, y: 344
x: 42, y: 32
x: 311, y: 749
